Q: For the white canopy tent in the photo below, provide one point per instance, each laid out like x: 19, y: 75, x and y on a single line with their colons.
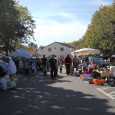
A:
x: 86, y: 51
x: 113, y: 56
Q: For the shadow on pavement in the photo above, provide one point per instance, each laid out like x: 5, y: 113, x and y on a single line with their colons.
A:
x: 33, y: 97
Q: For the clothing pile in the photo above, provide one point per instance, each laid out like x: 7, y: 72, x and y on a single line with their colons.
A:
x: 7, y: 74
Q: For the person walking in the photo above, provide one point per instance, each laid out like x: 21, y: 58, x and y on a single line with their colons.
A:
x: 53, y: 67
x: 60, y: 63
x: 33, y: 67
x: 44, y: 65
x: 68, y: 63
x: 75, y: 63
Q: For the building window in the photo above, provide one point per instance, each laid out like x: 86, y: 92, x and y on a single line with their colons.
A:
x: 49, y: 49
x: 62, y: 49
x: 55, y: 48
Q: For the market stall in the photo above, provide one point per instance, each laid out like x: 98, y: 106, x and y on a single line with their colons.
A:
x: 86, y: 51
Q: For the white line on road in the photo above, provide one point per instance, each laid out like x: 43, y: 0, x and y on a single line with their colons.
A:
x: 106, y: 94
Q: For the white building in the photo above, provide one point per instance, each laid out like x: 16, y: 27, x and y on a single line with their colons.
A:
x: 56, y: 48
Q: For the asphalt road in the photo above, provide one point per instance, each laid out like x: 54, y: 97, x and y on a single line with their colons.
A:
x: 65, y: 96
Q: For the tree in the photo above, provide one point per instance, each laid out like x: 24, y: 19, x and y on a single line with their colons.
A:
x: 32, y: 45
x: 8, y: 20
x: 77, y: 44
x: 25, y: 25
x: 100, y: 31
x: 16, y: 24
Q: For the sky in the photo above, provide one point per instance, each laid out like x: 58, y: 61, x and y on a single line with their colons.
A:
x: 61, y: 20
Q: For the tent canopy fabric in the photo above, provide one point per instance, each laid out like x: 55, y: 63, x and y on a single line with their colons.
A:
x: 86, y: 51
x: 113, y: 56
x: 22, y: 53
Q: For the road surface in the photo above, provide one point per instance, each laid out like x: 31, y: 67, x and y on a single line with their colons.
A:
x: 68, y: 95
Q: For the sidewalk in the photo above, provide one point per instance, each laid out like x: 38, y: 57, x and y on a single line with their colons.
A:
x: 107, y: 90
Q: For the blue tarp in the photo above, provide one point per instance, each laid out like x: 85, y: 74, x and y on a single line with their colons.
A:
x: 22, y: 53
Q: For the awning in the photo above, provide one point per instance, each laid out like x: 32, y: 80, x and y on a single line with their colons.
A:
x: 86, y: 51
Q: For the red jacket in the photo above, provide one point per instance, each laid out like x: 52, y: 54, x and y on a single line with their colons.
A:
x: 68, y: 60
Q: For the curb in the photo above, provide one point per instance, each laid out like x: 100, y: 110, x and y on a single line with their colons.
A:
x: 106, y: 94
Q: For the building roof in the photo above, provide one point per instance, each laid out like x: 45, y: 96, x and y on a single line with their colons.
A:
x: 64, y: 44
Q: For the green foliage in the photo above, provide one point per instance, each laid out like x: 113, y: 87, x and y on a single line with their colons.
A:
x: 8, y: 20
x: 100, y: 32
x: 77, y: 44
x: 32, y: 45
x: 25, y: 24
x: 16, y: 24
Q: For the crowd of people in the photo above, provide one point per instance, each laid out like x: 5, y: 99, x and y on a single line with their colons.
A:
x: 98, y: 74
x: 9, y: 67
